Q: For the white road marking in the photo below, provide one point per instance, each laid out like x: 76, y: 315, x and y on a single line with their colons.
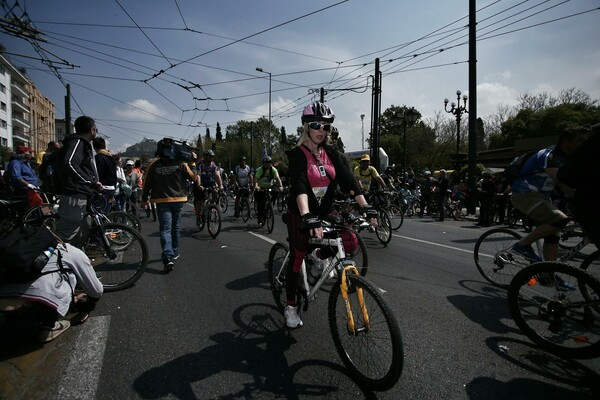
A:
x: 266, y: 239
x: 80, y: 380
x: 434, y: 244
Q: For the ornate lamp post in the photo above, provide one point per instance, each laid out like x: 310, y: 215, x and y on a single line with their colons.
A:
x: 457, y: 110
x: 259, y: 69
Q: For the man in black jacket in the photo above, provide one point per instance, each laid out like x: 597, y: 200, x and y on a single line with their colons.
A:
x: 78, y: 181
x: 107, y: 168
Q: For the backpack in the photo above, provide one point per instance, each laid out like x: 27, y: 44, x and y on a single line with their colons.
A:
x: 22, y: 255
x: 513, y: 170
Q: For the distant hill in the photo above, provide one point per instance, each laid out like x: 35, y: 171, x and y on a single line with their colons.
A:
x: 144, y: 149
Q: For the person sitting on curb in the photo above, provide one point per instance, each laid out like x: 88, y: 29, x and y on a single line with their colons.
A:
x: 47, y: 299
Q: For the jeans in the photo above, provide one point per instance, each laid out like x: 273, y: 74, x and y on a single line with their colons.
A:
x: 169, y: 217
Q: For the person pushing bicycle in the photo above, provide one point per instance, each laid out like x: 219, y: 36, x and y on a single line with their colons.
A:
x: 315, y: 171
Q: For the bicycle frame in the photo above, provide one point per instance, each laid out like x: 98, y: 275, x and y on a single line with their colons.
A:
x: 339, y: 264
x: 585, y: 240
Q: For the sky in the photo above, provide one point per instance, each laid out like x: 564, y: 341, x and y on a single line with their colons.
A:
x: 156, y: 68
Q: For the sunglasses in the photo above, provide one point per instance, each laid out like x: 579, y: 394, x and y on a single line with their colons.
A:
x: 316, y: 126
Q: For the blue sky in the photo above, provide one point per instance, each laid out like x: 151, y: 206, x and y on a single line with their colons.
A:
x: 120, y: 47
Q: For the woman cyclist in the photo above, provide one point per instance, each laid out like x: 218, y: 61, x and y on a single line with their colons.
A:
x: 315, y: 171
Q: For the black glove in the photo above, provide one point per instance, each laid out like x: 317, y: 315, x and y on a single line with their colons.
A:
x: 310, y: 221
x: 370, y: 212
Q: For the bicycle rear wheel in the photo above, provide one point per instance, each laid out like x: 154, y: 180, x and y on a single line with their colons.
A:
x: 277, y: 269
x: 269, y: 218
x: 493, y: 256
x: 130, y: 261
x: 557, y: 306
x: 396, y: 216
x: 384, y: 227
x: 372, y: 351
x: 45, y: 214
x: 125, y: 218
x: 213, y: 221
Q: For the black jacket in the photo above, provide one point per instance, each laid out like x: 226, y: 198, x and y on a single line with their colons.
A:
x: 76, y: 169
x: 107, y: 168
x: 299, y: 181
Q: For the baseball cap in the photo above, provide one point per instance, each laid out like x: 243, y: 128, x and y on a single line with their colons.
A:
x: 23, y: 149
x: 129, y: 162
x: 365, y: 157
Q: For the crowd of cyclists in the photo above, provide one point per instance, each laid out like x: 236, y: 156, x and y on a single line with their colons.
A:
x: 315, y: 175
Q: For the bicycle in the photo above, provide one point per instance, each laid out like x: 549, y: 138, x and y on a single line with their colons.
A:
x: 268, y: 213
x: 498, y: 264
x: 282, y: 199
x: 118, y: 252
x: 364, y: 329
x: 222, y: 202
x: 210, y: 215
x: 45, y: 214
x: 102, y: 205
x: 383, y: 228
x: 563, y: 322
x: 390, y: 203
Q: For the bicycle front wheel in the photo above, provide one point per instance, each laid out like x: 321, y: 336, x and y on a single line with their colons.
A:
x: 493, y: 256
x: 396, y: 216
x: 557, y: 306
x: 223, y: 203
x: 130, y: 261
x: 213, y: 221
x: 245, y: 209
x: 277, y: 269
x: 125, y: 218
x: 269, y: 218
x: 384, y: 227
x: 371, y: 349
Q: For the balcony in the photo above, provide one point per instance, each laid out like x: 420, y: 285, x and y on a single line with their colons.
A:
x: 19, y: 105
x: 19, y: 120
x: 18, y: 87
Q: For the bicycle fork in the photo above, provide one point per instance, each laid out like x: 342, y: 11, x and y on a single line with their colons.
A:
x: 352, y: 329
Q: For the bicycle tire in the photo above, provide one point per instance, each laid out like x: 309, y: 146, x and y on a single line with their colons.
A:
x: 280, y: 203
x: 557, y: 320
x: 223, y: 203
x: 245, y: 209
x: 125, y: 218
x: 131, y: 261
x: 374, y: 354
x: 43, y: 214
x: 396, y: 216
x: 277, y: 274
x: 492, y: 256
x: 213, y: 221
x: 384, y: 227
x: 269, y: 218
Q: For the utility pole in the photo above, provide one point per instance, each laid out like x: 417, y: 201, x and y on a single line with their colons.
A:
x: 472, y: 156
x: 68, y: 110
x: 375, y: 111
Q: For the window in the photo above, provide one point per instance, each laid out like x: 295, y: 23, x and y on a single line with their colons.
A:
x: 3, y: 106
x: 3, y: 123
x: 2, y: 88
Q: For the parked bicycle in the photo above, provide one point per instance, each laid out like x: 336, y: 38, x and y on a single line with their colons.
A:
x: 118, y: 252
x: 563, y: 322
x: 364, y: 329
x: 498, y: 264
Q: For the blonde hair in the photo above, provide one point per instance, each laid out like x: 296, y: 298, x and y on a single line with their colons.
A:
x: 304, y: 136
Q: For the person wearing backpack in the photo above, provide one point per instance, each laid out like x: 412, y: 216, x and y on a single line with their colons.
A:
x: 45, y: 300
x: 75, y: 169
x: 531, y: 195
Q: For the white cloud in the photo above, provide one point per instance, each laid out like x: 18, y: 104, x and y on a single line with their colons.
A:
x: 139, y: 109
x: 491, y: 95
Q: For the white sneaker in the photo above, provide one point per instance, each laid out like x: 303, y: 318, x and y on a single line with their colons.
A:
x: 292, y: 320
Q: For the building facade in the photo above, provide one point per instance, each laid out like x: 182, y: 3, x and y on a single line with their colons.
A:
x: 43, y: 128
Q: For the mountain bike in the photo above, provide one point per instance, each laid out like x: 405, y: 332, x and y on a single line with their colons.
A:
x: 118, y: 252
x: 268, y: 213
x: 282, y: 199
x: 383, y: 229
x: 364, y: 329
x: 210, y: 215
x: 565, y: 322
x: 222, y: 202
x: 498, y: 264
x: 102, y: 205
x: 390, y: 202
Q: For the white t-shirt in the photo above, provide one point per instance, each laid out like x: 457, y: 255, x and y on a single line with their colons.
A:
x: 242, y: 174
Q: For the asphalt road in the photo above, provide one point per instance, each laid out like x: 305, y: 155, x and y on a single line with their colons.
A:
x: 209, y: 329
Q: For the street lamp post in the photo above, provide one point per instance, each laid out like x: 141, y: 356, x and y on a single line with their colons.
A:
x: 457, y: 110
x: 362, y: 130
x: 410, y: 116
x: 259, y: 69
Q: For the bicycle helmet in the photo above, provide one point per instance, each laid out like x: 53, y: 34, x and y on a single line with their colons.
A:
x: 267, y: 159
x: 317, y: 111
x: 209, y: 152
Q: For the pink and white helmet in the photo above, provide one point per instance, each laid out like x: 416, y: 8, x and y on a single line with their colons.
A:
x: 317, y: 111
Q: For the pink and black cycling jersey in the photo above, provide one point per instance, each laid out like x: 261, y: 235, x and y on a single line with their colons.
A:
x: 320, y: 173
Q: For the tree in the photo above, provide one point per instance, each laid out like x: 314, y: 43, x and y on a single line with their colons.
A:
x: 218, y: 135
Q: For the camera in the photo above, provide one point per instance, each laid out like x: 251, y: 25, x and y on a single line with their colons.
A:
x: 174, y: 150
